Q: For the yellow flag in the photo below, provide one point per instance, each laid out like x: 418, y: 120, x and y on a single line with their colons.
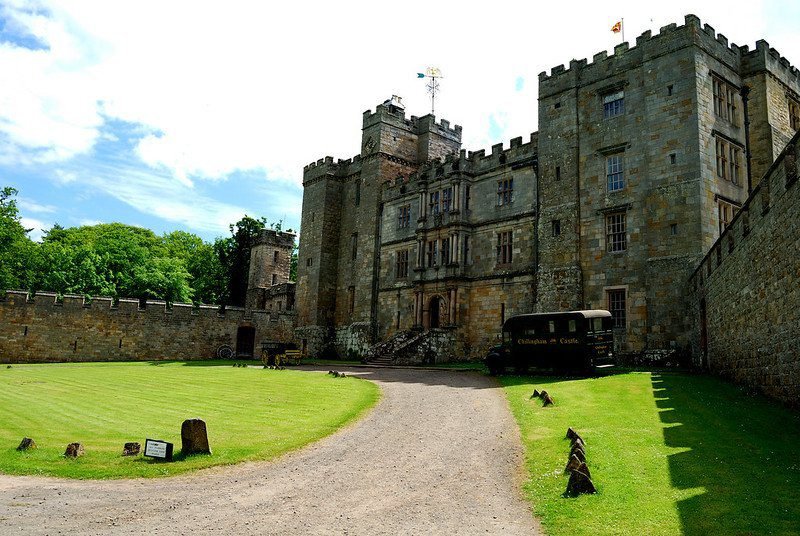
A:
x: 617, y: 27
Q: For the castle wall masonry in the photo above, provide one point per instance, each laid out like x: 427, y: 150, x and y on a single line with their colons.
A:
x: 42, y: 329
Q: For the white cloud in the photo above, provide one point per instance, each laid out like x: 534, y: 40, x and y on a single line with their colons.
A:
x: 29, y: 205
x: 37, y: 227
x: 257, y: 86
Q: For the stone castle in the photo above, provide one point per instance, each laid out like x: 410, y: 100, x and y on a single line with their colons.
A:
x: 661, y: 185
x: 641, y: 160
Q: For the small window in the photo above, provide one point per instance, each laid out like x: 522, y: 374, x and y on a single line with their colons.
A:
x: 445, y: 251
x: 794, y: 114
x: 597, y: 324
x: 616, y: 233
x: 572, y: 326
x: 404, y: 216
x: 615, y: 173
x: 557, y: 105
x: 466, y: 197
x: 351, y: 291
x: 274, y: 279
x: 673, y: 158
x: 504, y: 247
x: 617, y: 307
x: 505, y: 192
x: 433, y: 202
x: 673, y: 229
x: 353, y: 246
x: 309, y: 262
x: 312, y: 216
x: 556, y: 227
x: 669, y: 90
x: 729, y: 157
x: 551, y: 326
x: 614, y: 104
x: 466, y: 249
x: 726, y: 213
x: 401, y: 266
x: 433, y: 250
x: 558, y: 173
x: 275, y: 257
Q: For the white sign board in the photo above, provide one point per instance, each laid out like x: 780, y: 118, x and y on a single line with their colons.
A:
x: 158, y: 449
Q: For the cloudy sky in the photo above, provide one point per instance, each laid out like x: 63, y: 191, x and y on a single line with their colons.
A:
x: 187, y: 115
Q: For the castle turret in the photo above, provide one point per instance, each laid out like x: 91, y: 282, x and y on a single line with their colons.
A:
x: 270, y: 264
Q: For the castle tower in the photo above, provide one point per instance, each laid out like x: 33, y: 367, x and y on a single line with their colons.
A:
x: 339, y: 257
x: 270, y: 264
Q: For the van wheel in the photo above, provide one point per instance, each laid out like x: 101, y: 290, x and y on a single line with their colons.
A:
x: 494, y: 362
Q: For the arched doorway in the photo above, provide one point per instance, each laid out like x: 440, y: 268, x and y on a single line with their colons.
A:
x: 436, y: 307
x: 433, y: 312
x: 245, y: 341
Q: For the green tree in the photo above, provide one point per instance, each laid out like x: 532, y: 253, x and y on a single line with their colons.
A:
x: 17, y: 251
x: 234, y: 255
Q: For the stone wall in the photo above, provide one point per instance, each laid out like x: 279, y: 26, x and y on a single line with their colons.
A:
x: 44, y: 329
x: 745, y: 294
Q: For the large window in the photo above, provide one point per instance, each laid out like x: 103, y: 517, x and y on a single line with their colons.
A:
x: 617, y: 307
x: 616, y: 233
x: 504, y: 247
x: 615, y: 172
x: 445, y: 251
x: 729, y: 157
x: 447, y: 199
x: 432, y: 253
x: 724, y: 99
x: 794, y: 114
x: 614, y: 104
x: 401, y: 266
x: 505, y: 192
x: 433, y: 202
x: 404, y: 216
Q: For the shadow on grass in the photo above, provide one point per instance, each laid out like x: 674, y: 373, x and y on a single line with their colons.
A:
x: 740, y: 458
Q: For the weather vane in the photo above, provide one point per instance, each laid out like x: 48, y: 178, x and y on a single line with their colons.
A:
x: 433, y: 86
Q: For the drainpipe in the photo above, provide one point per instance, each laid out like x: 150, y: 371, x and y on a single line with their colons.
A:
x: 745, y: 93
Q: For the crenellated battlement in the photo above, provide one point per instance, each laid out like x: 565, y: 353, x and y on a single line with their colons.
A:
x: 670, y: 38
x: 280, y: 239
x: 475, y: 162
x: 327, y: 166
x: 417, y: 125
x: 21, y: 298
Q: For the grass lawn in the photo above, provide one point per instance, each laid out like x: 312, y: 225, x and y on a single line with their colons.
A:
x: 251, y: 413
x: 669, y: 454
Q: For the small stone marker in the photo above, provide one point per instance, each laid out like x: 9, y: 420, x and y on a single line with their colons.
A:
x: 583, y: 468
x: 26, y: 444
x: 535, y: 393
x: 579, y: 441
x: 194, y: 437
x: 579, y: 453
x: 161, y: 450
x: 74, y: 450
x: 572, y: 464
x: 131, y: 449
x: 579, y: 483
x: 571, y: 434
x: 548, y: 400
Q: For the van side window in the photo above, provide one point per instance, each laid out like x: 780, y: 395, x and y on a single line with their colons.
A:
x: 551, y: 326
x: 598, y: 324
x: 573, y: 326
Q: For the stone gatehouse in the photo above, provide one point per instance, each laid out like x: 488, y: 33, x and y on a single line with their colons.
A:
x: 640, y: 161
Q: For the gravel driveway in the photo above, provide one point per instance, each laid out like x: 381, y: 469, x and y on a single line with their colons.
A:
x: 439, y: 454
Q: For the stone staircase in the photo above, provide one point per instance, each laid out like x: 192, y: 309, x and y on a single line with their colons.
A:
x: 409, y: 347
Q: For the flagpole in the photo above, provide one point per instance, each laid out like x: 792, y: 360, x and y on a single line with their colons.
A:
x: 622, y: 27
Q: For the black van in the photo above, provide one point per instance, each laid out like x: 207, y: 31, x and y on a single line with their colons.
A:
x: 572, y: 342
